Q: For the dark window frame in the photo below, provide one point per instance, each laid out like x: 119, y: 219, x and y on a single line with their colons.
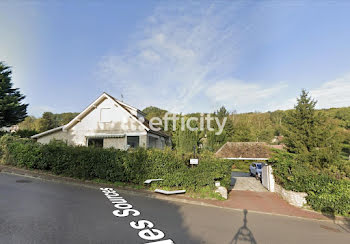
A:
x: 95, y: 142
x: 133, y: 144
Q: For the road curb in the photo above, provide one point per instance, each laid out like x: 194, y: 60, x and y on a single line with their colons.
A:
x: 67, y: 180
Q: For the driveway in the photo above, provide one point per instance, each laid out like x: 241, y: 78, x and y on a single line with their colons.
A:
x: 248, y: 193
x: 242, y: 181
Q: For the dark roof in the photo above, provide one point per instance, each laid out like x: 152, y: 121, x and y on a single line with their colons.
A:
x: 146, y: 123
x: 245, y: 150
x: 160, y: 133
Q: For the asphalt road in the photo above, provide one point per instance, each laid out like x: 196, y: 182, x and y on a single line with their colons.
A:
x: 36, y: 211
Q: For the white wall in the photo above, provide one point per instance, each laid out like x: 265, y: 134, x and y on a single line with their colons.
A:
x: 58, y: 135
x: 120, y: 123
x: 118, y: 143
x: 268, y: 181
x: 106, y: 119
x: 294, y: 198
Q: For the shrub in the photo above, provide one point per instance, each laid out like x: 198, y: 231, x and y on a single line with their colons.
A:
x: 134, y: 166
x: 324, y: 191
x: 334, y: 195
x: 241, y: 165
x: 166, y: 164
x: 25, y: 133
x: 20, y: 152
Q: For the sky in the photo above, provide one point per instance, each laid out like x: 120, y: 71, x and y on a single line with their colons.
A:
x: 183, y: 56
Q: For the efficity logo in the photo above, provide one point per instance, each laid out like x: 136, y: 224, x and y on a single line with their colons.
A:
x: 173, y: 121
x: 201, y: 123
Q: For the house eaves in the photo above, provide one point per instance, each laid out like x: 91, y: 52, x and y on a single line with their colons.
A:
x: 47, y: 132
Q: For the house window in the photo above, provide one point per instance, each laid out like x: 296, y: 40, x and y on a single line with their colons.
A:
x: 133, y: 141
x: 105, y: 115
x: 93, y: 142
x: 152, y: 142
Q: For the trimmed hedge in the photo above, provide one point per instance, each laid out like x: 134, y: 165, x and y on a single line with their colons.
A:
x: 325, y: 193
x: 134, y: 166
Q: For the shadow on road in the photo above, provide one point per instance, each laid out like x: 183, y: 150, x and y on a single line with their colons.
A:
x: 170, y: 218
x: 244, y: 235
x: 330, y: 213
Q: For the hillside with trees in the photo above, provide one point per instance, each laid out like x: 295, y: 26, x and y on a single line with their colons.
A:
x: 270, y: 127
x: 46, y: 122
x: 267, y: 127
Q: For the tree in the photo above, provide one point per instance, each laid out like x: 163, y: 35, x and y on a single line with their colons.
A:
x: 48, y: 121
x: 302, y: 125
x: 28, y: 123
x: 222, y: 113
x: 213, y: 141
x: 229, y: 128
x: 309, y: 134
x: 276, y: 118
x: 243, y: 132
x: 153, y: 112
x: 343, y: 114
x: 184, y: 139
x: 65, y: 118
x: 12, y: 110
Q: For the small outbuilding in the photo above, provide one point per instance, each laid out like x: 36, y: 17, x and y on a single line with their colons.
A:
x: 257, y: 151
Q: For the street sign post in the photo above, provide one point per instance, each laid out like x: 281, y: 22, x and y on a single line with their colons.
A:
x: 193, y: 161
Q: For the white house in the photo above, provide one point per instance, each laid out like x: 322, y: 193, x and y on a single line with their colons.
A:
x: 108, y: 122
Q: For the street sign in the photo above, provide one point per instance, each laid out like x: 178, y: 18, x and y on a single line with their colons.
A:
x: 194, y: 161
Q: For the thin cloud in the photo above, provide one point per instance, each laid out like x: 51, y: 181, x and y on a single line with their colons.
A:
x: 183, y: 59
x: 242, y: 94
x: 335, y: 93
x: 331, y: 94
x: 174, y: 57
x: 39, y: 110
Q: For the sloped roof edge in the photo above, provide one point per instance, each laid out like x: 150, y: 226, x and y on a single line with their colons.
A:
x: 93, y: 105
x: 47, y: 132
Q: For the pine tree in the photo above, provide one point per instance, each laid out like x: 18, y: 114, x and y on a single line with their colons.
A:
x: 302, y: 125
x: 222, y: 113
x: 309, y: 134
x: 12, y: 110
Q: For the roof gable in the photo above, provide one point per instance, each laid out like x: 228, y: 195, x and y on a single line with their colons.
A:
x: 133, y: 113
x: 126, y: 108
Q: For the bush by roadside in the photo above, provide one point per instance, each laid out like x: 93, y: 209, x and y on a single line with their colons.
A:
x: 325, y: 192
x: 112, y: 165
x: 241, y: 166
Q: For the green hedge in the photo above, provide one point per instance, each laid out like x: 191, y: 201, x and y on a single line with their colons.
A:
x: 325, y: 192
x: 134, y: 166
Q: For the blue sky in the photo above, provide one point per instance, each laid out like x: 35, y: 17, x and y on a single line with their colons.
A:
x: 184, y: 56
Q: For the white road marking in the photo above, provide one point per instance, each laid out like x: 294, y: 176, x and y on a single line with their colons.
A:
x: 145, y: 227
